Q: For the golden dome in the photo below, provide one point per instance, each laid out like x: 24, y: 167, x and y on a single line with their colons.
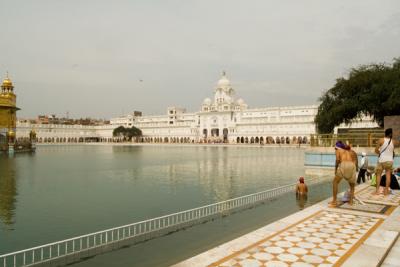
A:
x: 11, y: 133
x: 7, y: 82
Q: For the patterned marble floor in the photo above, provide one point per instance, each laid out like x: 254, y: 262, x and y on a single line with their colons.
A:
x: 367, y: 195
x: 366, y: 207
x: 324, y: 239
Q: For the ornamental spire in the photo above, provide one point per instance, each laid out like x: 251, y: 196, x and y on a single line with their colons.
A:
x: 7, y: 85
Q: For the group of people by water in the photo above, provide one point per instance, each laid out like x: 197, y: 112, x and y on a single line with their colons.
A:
x: 346, y: 167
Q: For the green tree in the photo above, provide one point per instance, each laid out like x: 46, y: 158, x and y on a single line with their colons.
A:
x: 127, y: 133
x: 372, y: 90
x: 132, y: 132
x: 119, y: 131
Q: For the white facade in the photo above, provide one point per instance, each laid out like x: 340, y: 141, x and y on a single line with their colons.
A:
x: 221, y: 119
x: 126, y: 121
x: 60, y: 133
x: 224, y: 118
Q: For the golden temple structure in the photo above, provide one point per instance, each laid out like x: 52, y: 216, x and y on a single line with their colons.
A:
x: 8, y: 113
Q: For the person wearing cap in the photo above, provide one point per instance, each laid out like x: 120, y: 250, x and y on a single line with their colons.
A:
x: 363, y: 168
x: 345, y: 167
x: 301, y: 187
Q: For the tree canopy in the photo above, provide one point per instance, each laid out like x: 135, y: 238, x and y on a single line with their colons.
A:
x: 127, y: 133
x: 372, y: 90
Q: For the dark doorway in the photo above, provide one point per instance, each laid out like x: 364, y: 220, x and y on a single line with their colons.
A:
x: 205, y: 132
x: 225, y: 134
x: 215, y: 132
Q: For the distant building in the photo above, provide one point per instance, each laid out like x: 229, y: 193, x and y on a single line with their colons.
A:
x: 224, y: 118
x: 42, y: 119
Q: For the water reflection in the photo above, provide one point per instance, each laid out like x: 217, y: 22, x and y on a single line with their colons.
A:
x: 131, y: 149
x: 223, y: 173
x: 301, y: 200
x: 8, y: 190
x: 217, y: 174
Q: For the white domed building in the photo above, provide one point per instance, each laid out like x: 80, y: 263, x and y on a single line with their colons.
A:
x: 222, y: 118
x: 225, y: 118
x: 224, y: 98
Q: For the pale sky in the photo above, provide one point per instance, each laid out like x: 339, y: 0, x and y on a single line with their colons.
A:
x: 104, y: 58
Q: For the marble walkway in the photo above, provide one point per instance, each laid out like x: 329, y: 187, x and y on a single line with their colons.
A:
x: 358, y: 235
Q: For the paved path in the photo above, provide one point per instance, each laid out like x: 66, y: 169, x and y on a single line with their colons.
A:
x: 393, y: 258
x: 359, y: 235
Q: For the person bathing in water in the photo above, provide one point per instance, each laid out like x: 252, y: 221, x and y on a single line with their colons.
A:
x: 301, y: 187
x: 345, y: 167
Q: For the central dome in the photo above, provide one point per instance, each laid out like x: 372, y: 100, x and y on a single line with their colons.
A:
x: 223, y: 82
x: 7, y: 82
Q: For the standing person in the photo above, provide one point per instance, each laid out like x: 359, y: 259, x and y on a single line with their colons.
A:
x: 301, y: 187
x: 345, y: 167
x: 363, y: 168
x: 301, y: 193
x: 385, y: 151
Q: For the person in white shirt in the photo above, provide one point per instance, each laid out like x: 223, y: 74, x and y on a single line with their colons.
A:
x: 363, y: 168
x: 385, y: 151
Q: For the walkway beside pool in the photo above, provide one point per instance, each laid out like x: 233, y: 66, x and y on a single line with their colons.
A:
x: 358, y: 235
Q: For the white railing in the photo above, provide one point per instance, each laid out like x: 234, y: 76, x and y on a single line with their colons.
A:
x: 73, y: 249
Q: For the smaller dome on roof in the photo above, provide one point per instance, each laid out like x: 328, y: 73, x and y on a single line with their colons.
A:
x: 240, y: 101
x: 7, y: 82
x: 207, y: 101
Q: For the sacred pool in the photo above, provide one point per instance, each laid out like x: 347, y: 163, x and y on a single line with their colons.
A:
x: 63, y: 191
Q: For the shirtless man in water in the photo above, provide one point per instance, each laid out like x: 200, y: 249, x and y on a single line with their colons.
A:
x: 345, y: 167
x: 301, y: 187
